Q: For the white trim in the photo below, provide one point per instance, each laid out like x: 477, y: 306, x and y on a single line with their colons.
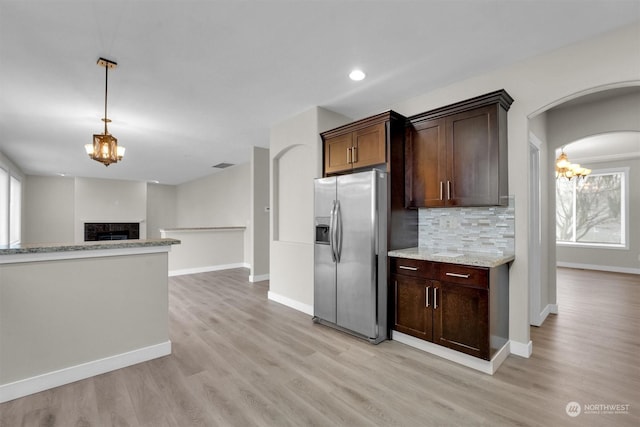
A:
x: 258, y: 278
x: 611, y: 268
x: 485, y: 366
x: 533, y: 139
x: 83, y: 253
x: 195, y: 270
x: 71, y: 374
x: 296, y: 305
x: 607, y: 246
x: 540, y: 318
x: 608, y: 158
x: 521, y: 349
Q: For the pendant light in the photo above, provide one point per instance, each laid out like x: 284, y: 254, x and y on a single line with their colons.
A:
x: 105, y: 147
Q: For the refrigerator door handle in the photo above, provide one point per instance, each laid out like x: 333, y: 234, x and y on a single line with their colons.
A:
x: 338, y: 220
x: 332, y: 228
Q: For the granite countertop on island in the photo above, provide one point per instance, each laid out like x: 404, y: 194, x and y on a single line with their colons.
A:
x: 478, y: 259
x: 35, y: 248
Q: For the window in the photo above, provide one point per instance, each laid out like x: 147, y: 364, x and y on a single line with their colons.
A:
x: 4, y: 207
x: 592, y: 211
x: 15, y: 210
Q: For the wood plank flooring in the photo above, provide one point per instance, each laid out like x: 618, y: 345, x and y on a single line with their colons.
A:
x: 241, y: 360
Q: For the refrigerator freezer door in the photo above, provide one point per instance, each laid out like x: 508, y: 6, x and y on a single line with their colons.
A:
x: 324, y: 289
x: 356, y: 290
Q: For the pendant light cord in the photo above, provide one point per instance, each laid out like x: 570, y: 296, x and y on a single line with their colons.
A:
x: 106, y: 85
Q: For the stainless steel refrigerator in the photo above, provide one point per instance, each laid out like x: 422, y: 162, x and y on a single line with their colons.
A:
x: 350, y: 275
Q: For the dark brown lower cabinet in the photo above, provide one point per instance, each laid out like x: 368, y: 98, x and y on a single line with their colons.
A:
x: 462, y: 322
x: 464, y: 308
x: 413, y: 314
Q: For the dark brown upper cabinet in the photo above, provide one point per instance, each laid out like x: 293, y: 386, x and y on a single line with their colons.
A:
x: 457, y: 155
x: 359, y: 148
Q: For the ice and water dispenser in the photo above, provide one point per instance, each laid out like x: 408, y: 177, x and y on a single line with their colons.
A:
x: 322, y: 230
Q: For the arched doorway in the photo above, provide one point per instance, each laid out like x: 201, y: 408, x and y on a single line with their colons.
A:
x: 594, y: 112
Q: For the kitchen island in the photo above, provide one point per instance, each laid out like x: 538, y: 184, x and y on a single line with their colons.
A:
x: 74, y: 310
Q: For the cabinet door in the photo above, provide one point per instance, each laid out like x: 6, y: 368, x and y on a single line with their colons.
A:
x: 461, y: 319
x: 473, y: 158
x: 413, y: 315
x: 337, y: 153
x: 369, y: 146
x: 425, y: 164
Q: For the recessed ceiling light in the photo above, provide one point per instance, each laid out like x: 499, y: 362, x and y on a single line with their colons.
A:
x: 357, y: 75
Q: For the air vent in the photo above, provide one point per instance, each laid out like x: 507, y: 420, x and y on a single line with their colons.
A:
x: 222, y: 165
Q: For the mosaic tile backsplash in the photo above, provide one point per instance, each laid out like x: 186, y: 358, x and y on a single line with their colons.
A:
x: 486, y: 230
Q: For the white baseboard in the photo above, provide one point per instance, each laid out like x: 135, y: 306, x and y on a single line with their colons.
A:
x: 549, y: 309
x: 71, y: 374
x: 206, y: 269
x: 612, y: 269
x: 296, y: 305
x: 485, y: 366
x: 258, y: 278
x: 521, y: 349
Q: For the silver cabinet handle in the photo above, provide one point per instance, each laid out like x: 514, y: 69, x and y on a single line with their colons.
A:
x: 441, y: 189
x: 404, y: 267
x: 349, y: 155
x: 426, y: 296
x: 435, y: 298
x: 354, y: 154
x: 448, y: 190
x: 464, y: 276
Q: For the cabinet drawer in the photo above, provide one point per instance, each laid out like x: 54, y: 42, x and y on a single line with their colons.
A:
x: 413, y: 267
x: 464, y: 275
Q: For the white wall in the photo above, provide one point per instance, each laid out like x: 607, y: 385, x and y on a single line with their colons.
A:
x: 222, y: 199
x: 109, y: 200
x: 62, y: 322
x: 49, y: 209
x: 296, y: 157
x: 217, y: 200
x: 161, y: 208
x: 55, y: 208
x: 542, y: 292
x: 259, y: 224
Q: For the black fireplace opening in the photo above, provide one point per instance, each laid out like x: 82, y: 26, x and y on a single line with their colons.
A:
x: 94, y: 231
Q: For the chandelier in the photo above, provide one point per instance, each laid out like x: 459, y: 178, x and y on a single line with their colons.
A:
x: 105, y: 146
x: 566, y: 169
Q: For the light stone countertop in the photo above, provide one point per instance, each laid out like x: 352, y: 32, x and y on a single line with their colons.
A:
x: 33, y: 248
x: 477, y: 259
x: 181, y: 229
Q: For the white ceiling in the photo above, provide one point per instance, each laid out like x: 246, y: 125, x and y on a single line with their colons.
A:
x: 199, y: 82
x: 606, y: 147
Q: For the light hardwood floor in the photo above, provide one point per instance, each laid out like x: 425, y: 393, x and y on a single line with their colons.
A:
x: 241, y: 360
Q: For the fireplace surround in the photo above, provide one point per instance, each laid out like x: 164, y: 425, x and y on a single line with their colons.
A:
x: 94, y: 231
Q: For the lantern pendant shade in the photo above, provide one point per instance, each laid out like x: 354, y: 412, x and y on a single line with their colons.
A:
x: 105, y: 148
